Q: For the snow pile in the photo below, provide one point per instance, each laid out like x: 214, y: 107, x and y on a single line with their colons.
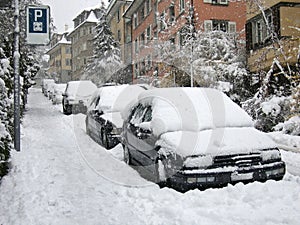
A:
x: 192, y: 109
x: 61, y: 176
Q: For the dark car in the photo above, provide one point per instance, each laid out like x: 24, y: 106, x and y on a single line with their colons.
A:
x: 76, y: 96
x: 189, y: 138
x: 104, y: 121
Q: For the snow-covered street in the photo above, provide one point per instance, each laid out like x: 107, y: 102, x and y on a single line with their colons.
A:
x: 61, y: 176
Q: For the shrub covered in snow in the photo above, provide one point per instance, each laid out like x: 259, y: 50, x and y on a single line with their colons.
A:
x: 291, y: 126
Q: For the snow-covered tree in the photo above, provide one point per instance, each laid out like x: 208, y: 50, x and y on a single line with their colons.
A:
x: 28, y: 69
x: 106, y: 59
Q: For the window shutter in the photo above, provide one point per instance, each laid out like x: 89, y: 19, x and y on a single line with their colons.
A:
x: 207, y: 25
x: 232, y: 27
x: 207, y: 1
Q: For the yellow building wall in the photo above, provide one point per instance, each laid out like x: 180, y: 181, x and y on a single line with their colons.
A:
x: 290, y: 21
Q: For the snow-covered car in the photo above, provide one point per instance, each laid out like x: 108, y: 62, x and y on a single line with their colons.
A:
x: 104, y: 121
x: 58, y: 90
x: 196, y: 138
x: 45, y: 84
x: 77, y: 95
x: 50, y: 90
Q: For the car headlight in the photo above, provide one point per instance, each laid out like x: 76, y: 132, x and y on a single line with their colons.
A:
x: 271, y: 155
x: 201, y: 162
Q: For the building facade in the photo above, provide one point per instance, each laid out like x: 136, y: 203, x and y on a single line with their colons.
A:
x: 60, y: 58
x: 82, y: 37
x: 273, y: 33
x: 156, y: 20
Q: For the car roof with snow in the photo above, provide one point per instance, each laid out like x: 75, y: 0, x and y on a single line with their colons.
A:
x: 82, y: 88
x: 192, y: 109
x: 116, y: 98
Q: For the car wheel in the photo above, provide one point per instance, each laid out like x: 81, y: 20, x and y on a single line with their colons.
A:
x: 160, y: 174
x: 104, y: 139
x: 87, y: 130
x: 127, y: 156
x: 67, y: 109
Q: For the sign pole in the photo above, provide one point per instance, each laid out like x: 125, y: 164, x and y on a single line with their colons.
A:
x: 17, y: 130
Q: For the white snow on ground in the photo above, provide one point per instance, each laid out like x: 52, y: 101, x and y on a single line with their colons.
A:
x: 61, y: 176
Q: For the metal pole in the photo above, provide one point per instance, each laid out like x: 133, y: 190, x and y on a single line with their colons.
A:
x: 17, y: 142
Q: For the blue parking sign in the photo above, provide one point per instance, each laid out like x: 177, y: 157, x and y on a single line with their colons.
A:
x: 38, y: 20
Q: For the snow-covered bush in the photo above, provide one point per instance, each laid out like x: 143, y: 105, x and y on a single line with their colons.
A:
x: 291, y: 126
x: 268, y: 112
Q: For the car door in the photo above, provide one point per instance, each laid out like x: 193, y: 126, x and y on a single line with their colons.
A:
x: 145, y: 141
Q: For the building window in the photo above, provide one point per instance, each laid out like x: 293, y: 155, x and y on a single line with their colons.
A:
x: 172, y: 13
x: 136, y: 70
x: 135, y: 20
x: 118, y: 16
x: 216, y: 2
x: 142, y: 13
x: 220, y: 25
x: 68, y: 62
x: 148, y: 6
x: 142, y: 39
x: 136, y: 46
x: 119, y: 35
x: 162, y: 21
x: 155, y: 12
x: 148, y: 33
x: 68, y: 50
x: 181, y: 5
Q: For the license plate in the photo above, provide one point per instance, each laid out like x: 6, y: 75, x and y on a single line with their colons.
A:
x: 241, y: 176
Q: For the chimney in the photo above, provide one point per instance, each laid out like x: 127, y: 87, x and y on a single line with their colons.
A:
x: 66, y: 27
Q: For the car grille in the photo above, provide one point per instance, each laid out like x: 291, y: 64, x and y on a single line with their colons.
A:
x: 240, y: 160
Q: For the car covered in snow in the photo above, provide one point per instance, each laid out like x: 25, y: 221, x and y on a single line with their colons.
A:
x: 58, y: 90
x: 45, y: 85
x: 104, y: 121
x: 77, y: 95
x: 196, y: 138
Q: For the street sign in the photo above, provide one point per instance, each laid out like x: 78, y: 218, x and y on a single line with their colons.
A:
x: 38, y: 21
x: 5, y: 3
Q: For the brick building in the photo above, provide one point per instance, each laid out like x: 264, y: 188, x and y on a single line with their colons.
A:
x: 156, y: 20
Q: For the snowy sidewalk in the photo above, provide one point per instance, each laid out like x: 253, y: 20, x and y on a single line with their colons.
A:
x: 63, y: 177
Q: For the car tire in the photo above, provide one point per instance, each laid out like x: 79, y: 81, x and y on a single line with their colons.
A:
x: 127, y: 156
x: 104, y: 139
x: 67, y: 109
x: 160, y: 173
x: 87, y: 130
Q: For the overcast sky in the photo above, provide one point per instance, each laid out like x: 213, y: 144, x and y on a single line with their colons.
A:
x: 64, y: 11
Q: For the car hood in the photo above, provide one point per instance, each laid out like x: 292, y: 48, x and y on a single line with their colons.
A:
x: 220, y: 141
x: 113, y: 117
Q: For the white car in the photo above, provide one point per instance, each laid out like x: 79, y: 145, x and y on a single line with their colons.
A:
x: 45, y: 84
x: 58, y: 90
x: 104, y: 121
x: 197, y: 138
x: 77, y: 95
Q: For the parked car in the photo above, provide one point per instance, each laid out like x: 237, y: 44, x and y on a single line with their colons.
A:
x: 45, y: 84
x: 104, y: 121
x: 196, y: 138
x: 77, y: 95
x: 50, y: 90
x: 58, y: 90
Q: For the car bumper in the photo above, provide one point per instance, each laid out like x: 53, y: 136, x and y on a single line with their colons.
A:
x: 202, y: 179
